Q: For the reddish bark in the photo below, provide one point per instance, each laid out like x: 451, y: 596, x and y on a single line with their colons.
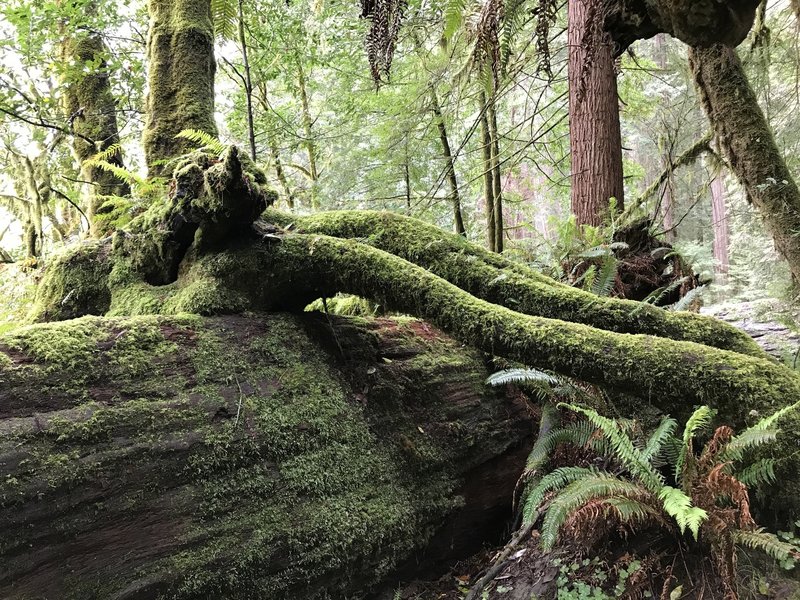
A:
x: 595, y: 143
x: 719, y: 220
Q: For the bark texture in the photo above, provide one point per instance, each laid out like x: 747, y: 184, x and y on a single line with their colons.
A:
x: 719, y: 221
x: 180, y: 54
x: 449, y: 165
x: 694, y: 22
x: 92, y: 110
x: 748, y: 143
x: 262, y: 456
x: 594, y: 129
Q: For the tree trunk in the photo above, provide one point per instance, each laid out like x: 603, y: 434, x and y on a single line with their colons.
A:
x: 665, y: 149
x: 248, y: 84
x: 180, y: 53
x: 308, y: 132
x: 719, y: 218
x: 488, y: 175
x: 92, y: 112
x: 153, y: 457
x: 497, y: 184
x: 748, y: 143
x: 449, y: 165
x: 594, y: 129
x: 280, y: 173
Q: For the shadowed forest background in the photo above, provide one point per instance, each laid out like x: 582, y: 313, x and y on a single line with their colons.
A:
x: 399, y: 299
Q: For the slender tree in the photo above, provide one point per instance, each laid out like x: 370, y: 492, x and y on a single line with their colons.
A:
x: 449, y: 164
x: 92, y: 114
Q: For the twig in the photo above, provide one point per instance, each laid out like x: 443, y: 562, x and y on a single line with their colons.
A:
x: 498, y: 565
x: 241, y: 398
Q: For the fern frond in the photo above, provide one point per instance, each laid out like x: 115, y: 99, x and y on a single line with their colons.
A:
x: 687, y: 299
x: 761, y: 472
x: 632, y: 511
x: 768, y: 421
x: 624, y: 450
x: 554, y: 480
x: 655, y: 296
x: 576, y: 494
x: 765, y: 542
x: 224, y: 16
x: 606, y: 276
x: 699, y: 421
x: 663, y: 433
x: 203, y: 140
x: 577, y: 434
x: 453, y: 17
x: 507, y: 376
x: 748, y: 439
x: 679, y: 506
x: 120, y: 173
x: 113, y: 151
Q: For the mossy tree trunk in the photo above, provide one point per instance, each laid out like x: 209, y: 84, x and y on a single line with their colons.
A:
x: 92, y: 111
x: 694, y: 22
x: 180, y: 54
x: 748, y: 143
x: 231, y: 267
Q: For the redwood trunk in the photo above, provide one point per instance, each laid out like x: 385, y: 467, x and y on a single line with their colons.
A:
x: 595, y: 142
x: 719, y: 218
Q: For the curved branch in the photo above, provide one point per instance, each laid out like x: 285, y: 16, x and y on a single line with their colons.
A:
x: 497, y: 279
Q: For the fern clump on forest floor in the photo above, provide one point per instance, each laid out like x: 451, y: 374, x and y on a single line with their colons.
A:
x: 688, y: 502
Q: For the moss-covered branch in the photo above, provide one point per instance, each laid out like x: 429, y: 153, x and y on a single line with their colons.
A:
x: 501, y: 281
x: 674, y: 375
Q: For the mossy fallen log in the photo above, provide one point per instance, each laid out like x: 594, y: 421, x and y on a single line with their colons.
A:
x: 495, y: 306
x: 502, y: 281
x: 256, y: 456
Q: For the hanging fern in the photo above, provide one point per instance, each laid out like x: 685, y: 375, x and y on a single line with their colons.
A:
x: 225, y: 17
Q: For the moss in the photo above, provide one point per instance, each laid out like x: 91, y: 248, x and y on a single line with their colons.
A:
x: 181, y: 67
x: 75, y: 283
x: 243, y: 439
x: 499, y: 280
